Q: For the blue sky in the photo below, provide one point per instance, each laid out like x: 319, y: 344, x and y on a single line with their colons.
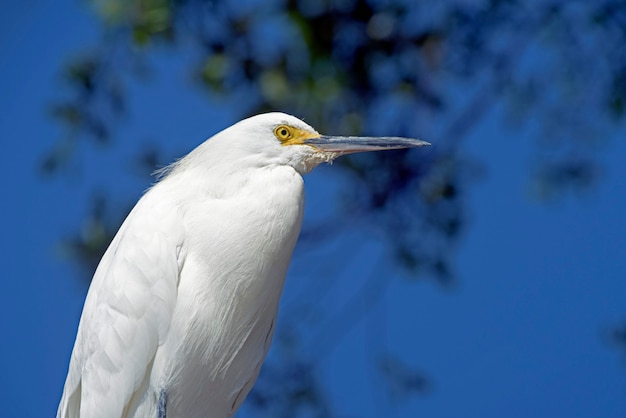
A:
x: 521, y: 335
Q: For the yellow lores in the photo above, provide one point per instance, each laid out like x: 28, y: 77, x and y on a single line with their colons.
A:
x: 289, y: 135
x: 181, y: 309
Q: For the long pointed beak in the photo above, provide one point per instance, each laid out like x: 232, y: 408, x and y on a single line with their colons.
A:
x: 352, y: 144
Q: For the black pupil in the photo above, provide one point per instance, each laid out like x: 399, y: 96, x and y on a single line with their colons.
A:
x: 283, y: 132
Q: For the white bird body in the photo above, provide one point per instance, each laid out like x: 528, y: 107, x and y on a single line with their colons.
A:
x: 181, y: 310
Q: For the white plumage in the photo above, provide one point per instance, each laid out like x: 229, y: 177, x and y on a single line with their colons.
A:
x: 181, y: 310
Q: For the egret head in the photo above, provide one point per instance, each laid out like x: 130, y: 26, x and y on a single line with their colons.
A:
x: 285, y: 139
x: 273, y: 139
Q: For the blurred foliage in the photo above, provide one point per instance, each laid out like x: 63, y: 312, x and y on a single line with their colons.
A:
x: 289, y: 389
x: 617, y: 337
x: 398, y: 67
x: 96, y: 233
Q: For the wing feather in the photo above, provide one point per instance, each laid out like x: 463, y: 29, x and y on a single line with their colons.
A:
x: 127, y: 312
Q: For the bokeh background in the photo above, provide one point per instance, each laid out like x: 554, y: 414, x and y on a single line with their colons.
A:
x: 483, y: 276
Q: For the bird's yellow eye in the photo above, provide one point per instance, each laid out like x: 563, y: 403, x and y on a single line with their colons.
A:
x: 283, y: 132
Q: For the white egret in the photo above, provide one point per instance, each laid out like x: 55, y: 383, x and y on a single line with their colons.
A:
x: 181, y: 309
